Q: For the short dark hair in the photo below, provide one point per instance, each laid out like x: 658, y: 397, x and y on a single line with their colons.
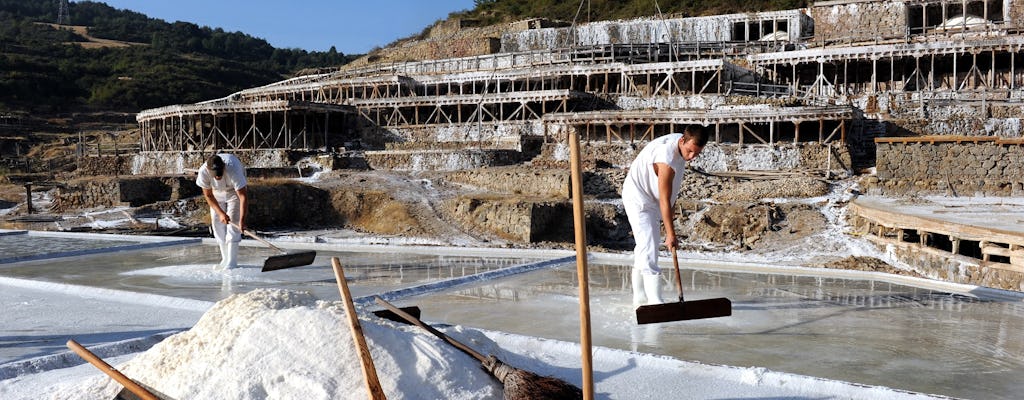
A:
x: 697, y: 134
x: 216, y: 165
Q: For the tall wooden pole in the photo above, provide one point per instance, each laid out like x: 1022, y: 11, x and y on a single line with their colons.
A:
x: 579, y: 220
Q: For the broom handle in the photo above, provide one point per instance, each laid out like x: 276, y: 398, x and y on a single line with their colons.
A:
x: 253, y: 235
x: 415, y: 321
x: 97, y: 362
x: 679, y: 278
x: 369, y: 371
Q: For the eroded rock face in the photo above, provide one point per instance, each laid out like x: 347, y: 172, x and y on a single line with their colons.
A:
x: 375, y: 212
x: 745, y: 225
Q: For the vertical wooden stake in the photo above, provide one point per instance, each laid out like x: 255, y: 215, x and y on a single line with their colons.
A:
x: 369, y: 371
x: 579, y: 220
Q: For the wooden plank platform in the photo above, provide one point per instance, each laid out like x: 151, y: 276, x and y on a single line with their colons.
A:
x: 984, y: 227
x: 996, y: 231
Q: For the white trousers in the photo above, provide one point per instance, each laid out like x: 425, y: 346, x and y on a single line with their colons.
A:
x: 646, y: 224
x: 225, y: 233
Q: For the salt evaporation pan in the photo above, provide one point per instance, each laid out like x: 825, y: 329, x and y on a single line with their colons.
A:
x: 276, y: 344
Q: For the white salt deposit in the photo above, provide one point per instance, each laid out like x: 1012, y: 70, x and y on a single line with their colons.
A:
x: 276, y: 344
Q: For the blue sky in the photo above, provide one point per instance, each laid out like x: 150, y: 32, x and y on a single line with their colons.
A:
x: 352, y: 26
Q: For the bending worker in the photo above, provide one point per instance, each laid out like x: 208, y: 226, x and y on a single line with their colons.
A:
x: 222, y: 178
x: 648, y: 196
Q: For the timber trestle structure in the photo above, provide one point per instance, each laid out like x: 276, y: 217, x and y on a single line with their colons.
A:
x: 276, y: 124
x: 757, y: 78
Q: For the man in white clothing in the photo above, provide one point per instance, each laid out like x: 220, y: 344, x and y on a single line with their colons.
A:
x: 648, y: 195
x: 222, y: 178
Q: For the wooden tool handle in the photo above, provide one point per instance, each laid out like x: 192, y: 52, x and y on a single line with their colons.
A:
x: 415, y: 321
x: 129, y: 384
x: 369, y: 371
x: 679, y: 275
x: 253, y: 235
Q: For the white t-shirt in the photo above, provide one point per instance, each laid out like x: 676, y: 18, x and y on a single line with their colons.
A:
x: 641, y: 184
x: 233, y: 179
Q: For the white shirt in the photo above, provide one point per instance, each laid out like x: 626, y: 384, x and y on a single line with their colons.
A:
x: 225, y: 187
x: 641, y: 184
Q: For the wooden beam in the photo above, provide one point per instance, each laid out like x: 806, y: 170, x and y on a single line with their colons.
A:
x: 938, y: 139
x: 989, y: 249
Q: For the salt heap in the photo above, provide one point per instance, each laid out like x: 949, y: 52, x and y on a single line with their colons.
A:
x: 279, y: 344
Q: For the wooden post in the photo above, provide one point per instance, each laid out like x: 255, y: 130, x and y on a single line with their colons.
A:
x: 741, y: 133
x: 579, y: 221
x: 28, y: 196
x: 369, y: 371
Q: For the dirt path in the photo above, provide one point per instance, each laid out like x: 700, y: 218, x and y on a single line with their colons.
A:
x: 94, y: 42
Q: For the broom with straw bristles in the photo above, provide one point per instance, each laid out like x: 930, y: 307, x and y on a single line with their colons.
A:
x: 518, y: 384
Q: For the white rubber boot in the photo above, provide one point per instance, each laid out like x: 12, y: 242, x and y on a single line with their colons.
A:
x: 223, y: 256
x: 652, y: 288
x: 232, y: 256
x: 638, y: 288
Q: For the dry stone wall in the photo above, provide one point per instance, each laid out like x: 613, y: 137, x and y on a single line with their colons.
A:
x: 520, y: 181
x: 104, y: 165
x: 506, y: 135
x: 1015, y: 11
x: 964, y: 169
x: 858, y: 20
x: 125, y: 191
x: 715, y: 157
x: 539, y: 221
x: 439, y: 160
x: 175, y: 162
x: 942, y: 266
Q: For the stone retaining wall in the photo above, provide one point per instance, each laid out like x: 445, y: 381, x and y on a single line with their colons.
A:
x: 715, y: 157
x: 522, y: 181
x: 123, y: 191
x: 942, y: 266
x: 1015, y: 10
x: 858, y: 20
x: 541, y: 221
x: 440, y: 160
x: 505, y: 135
x: 105, y: 165
x: 180, y: 162
x: 948, y: 168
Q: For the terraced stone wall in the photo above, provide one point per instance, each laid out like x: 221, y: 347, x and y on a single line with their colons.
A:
x: 123, y: 191
x: 948, y: 168
x: 858, y: 20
